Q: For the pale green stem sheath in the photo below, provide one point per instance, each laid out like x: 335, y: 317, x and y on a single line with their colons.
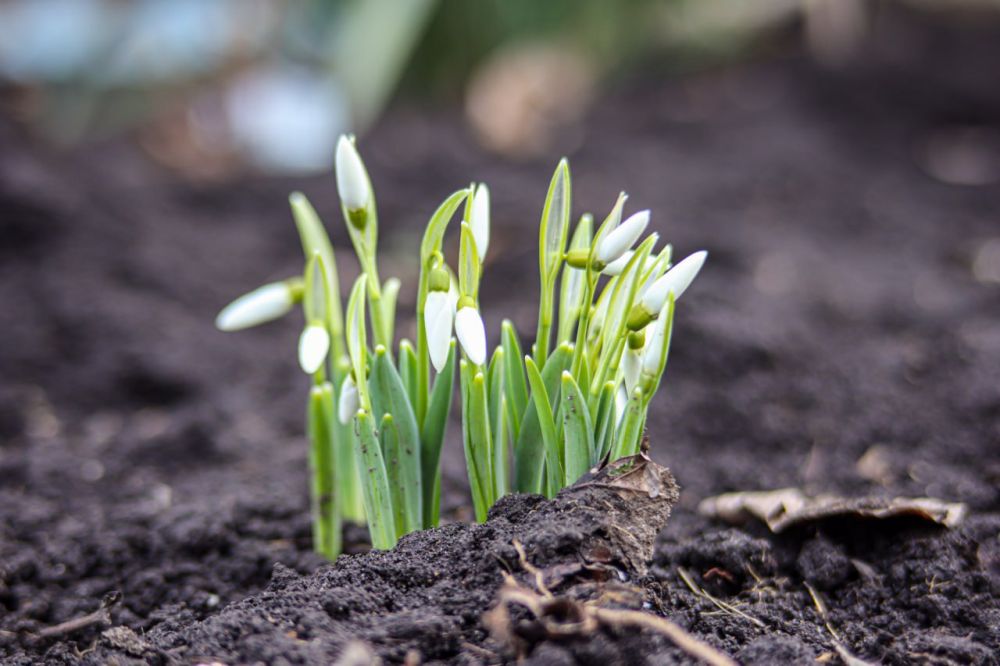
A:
x: 325, y: 507
x: 371, y: 467
x: 348, y: 482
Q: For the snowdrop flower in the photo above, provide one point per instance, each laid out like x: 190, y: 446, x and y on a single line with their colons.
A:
x: 622, y: 237
x: 261, y: 305
x: 618, y: 265
x: 479, y: 219
x: 675, y: 281
x: 347, y: 404
x: 439, y: 315
x: 352, y: 180
x: 471, y: 334
x: 314, y: 343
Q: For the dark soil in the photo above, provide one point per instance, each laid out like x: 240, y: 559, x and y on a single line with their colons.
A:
x: 838, y: 319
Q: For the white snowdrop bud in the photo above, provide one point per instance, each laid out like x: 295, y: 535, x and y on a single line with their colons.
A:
x: 622, y: 237
x: 257, y: 307
x: 314, y: 343
x: 352, y: 181
x: 439, y: 315
x: 471, y: 334
x: 675, y: 281
x: 479, y: 219
x: 347, y: 403
x: 618, y: 265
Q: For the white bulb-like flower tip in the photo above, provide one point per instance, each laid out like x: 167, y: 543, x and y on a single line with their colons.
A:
x: 676, y: 280
x: 631, y: 367
x: 352, y: 181
x: 471, y: 334
x: 653, y: 356
x: 314, y: 343
x: 618, y: 265
x: 439, y: 315
x: 622, y: 237
x: 257, y: 307
x: 479, y: 219
x: 347, y: 404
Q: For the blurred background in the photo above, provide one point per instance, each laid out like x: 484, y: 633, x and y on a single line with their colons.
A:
x: 211, y: 88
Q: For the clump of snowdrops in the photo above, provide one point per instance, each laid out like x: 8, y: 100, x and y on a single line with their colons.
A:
x: 377, y: 411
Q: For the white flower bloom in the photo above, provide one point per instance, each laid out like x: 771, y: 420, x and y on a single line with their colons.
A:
x: 618, y: 265
x: 439, y: 315
x: 347, y: 404
x: 352, y: 181
x: 652, y: 357
x: 676, y: 280
x: 622, y: 237
x: 314, y: 343
x: 631, y: 366
x: 257, y: 307
x: 479, y: 219
x: 471, y: 334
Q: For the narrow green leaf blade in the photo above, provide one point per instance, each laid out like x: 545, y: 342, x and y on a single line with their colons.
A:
x: 578, y: 430
x: 547, y: 426
x: 515, y: 385
x: 371, y: 468
x: 402, y: 461
x: 529, y: 457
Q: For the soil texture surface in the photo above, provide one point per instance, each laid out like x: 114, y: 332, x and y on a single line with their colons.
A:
x: 844, y: 337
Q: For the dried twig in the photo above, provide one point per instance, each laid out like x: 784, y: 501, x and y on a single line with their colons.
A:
x: 824, y: 615
x: 681, y: 638
x: 722, y: 605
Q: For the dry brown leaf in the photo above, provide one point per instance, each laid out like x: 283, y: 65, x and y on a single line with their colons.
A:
x: 787, y: 507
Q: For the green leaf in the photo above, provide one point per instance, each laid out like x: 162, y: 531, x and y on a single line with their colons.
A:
x: 547, y: 426
x: 668, y: 312
x: 472, y: 437
x: 438, y: 224
x: 515, y: 385
x: 401, y: 447
x: 408, y: 369
x: 555, y: 222
x: 357, y: 341
x: 610, y: 222
x: 529, y: 458
x: 375, y: 482
x: 316, y: 299
x: 348, y: 481
x: 605, y: 427
x: 468, y: 264
x: 578, y: 430
x: 432, y: 438
x: 315, y: 240
x: 498, y: 421
x: 390, y: 294
x: 572, y: 288
x: 627, y: 441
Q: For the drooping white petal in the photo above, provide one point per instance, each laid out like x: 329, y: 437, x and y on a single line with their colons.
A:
x: 479, y: 219
x: 347, y: 404
x: 352, y: 182
x: 257, y: 307
x: 631, y: 366
x: 676, y: 280
x: 622, y: 237
x: 439, y: 315
x: 618, y: 265
x: 471, y: 334
x: 314, y: 343
x: 653, y: 356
